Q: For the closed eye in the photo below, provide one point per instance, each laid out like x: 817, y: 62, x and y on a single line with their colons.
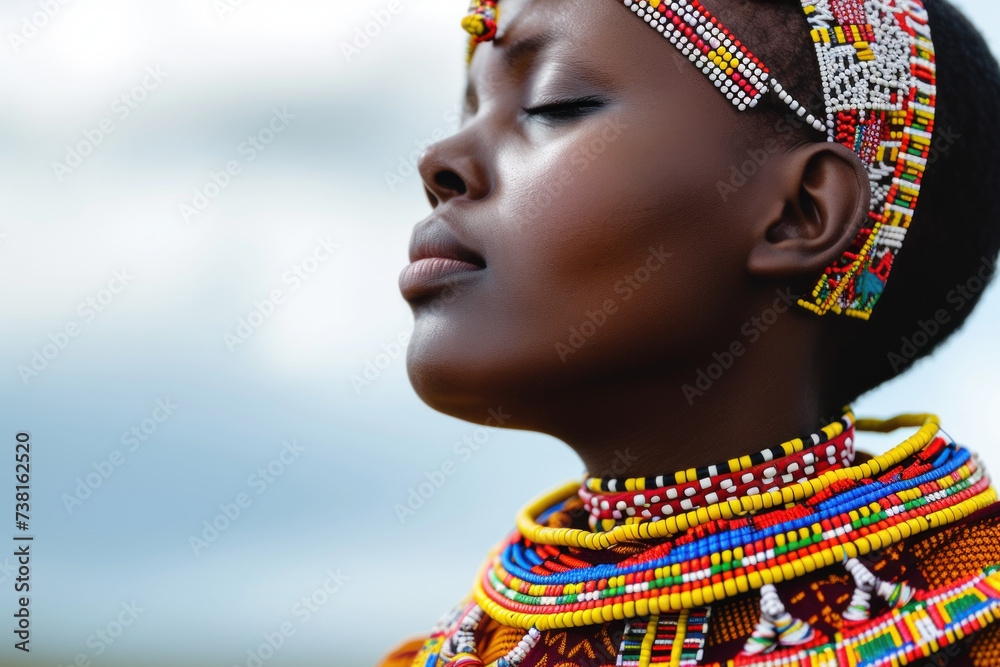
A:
x: 565, y: 110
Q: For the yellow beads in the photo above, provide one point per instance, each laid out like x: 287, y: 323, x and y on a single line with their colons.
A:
x: 696, y: 591
x: 646, y: 651
x: 678, y: 645
x: 527, y: 524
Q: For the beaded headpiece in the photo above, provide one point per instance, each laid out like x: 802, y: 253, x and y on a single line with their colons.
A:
x: 876, y: 59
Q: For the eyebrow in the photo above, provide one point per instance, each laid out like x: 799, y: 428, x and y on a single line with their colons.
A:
x: 532, y: 45
x: 524, y: 47
x: 514, y: 54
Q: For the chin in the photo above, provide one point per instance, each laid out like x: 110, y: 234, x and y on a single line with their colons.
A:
x: 444, y: 378
x: 470, y: 377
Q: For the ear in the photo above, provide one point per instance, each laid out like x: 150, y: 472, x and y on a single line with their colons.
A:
x: 821, y: 200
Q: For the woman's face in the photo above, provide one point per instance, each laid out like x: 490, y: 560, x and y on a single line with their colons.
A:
x: 579, y: 227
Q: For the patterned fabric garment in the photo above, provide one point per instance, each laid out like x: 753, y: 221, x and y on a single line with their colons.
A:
x: 927, y: 599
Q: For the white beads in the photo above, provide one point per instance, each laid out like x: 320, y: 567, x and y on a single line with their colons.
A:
x: 463, y: 640
x: 733, y: 73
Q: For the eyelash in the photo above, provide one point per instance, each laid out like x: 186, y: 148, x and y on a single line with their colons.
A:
x: 566, y: 110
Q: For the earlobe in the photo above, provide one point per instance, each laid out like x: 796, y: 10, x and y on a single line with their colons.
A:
x: 820, y: 204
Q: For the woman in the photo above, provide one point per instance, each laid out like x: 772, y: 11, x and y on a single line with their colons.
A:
x: 669, y: 246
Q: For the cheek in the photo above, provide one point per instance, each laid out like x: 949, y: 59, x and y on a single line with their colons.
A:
x: 609, y: 234
x: 604, y: 255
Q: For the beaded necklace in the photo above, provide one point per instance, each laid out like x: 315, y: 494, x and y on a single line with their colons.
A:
x: 453, y: 639
x: 680, y: 636
x: 734, y: 546
x: 662, y: 576
x: 611, y: 501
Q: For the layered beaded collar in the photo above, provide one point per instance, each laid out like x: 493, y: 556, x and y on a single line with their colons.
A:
x: 612, y: 502
x: 664, y: 576
x: 551, y: 577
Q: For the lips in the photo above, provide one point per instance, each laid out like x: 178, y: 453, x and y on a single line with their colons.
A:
x: 438, y: 260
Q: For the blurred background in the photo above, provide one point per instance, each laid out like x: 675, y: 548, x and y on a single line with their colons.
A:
x: 204, y: 208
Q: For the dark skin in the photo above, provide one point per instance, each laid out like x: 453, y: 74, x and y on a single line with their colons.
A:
x: 595, y: 118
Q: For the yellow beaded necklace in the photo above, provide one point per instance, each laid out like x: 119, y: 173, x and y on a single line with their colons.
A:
x: 526, y: 518
x: 701, y: 593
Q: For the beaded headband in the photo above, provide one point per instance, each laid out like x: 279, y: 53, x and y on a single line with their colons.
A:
x: 876, y: 59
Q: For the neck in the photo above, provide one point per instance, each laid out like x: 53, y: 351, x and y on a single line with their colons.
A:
x: 652, y: 425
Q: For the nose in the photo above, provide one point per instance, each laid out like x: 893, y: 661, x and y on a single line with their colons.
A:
x: 452, y: 168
